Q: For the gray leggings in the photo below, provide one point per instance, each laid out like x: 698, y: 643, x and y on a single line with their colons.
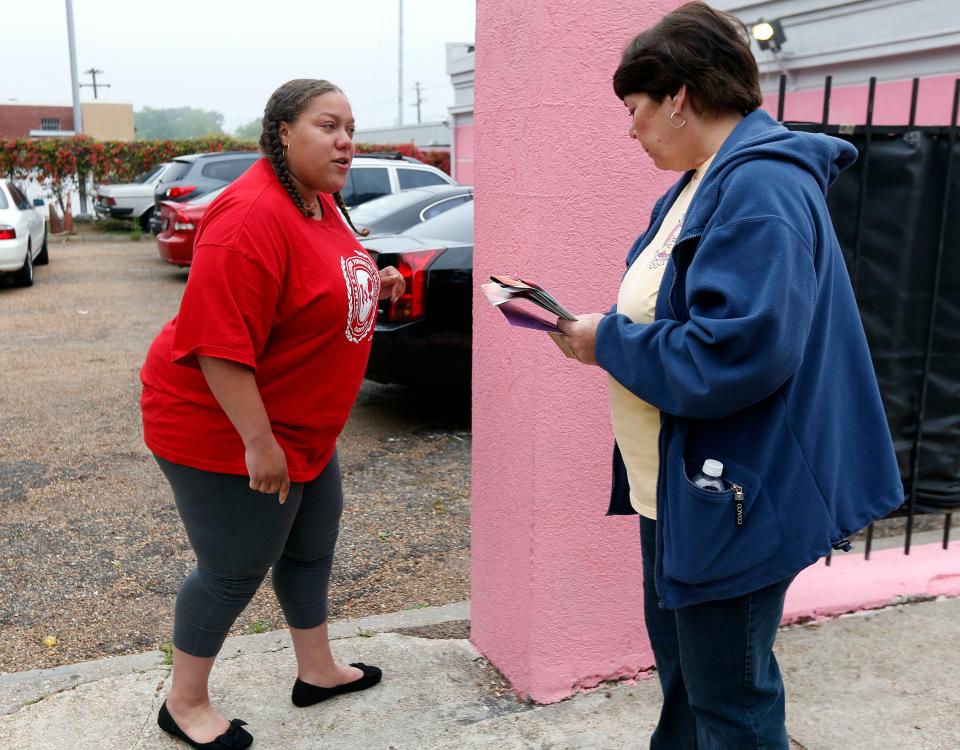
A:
x: 237, y: 534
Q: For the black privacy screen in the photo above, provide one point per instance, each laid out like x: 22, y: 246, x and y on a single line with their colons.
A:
x: 894, y: 227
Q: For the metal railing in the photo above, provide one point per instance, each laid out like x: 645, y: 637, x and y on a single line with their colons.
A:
x: 912, y: 506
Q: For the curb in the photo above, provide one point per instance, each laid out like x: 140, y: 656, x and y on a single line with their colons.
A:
x: 58, y: 239
x: 20, y: 688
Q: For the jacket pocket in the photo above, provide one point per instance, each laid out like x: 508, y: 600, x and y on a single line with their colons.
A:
x: 709, y: 536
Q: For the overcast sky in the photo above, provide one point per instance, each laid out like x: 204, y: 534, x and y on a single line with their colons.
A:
x: 229, y: 55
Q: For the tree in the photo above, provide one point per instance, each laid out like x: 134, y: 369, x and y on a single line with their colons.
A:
x: 177, y: 123
x: 251, y: 131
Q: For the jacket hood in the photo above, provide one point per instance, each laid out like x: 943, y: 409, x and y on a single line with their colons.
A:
x: 759, y: 136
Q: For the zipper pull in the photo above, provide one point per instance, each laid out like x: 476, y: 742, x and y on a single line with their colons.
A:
x: 738, y: 502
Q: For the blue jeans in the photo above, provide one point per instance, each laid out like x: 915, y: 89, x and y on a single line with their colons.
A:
x: 722, y: 688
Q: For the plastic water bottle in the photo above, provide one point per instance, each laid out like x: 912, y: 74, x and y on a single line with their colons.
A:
x: 709, y: 476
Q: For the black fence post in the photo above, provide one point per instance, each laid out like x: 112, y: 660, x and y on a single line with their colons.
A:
x: 827, y: 86
x: 864, y: 170
x: 782, y: 96
x: 914, y: 93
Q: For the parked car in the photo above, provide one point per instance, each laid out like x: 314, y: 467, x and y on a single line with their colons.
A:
x: 398, y: 212
x: 192, y: 176
x: 23, y: 235
x: 133, y: 200
x: 423, y: 339
x: 178, y: 227
x: 373, y: 175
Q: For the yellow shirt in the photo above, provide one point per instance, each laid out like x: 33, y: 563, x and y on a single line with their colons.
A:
x: 636, y: 424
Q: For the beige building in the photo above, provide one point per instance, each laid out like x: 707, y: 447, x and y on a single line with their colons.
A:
x: 102, y: 121
x: 108, y: 122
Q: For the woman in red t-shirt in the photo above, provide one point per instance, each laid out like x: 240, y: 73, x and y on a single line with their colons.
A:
x: 245, y: 392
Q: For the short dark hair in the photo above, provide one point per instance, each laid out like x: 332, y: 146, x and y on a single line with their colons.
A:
x: 706, y: 49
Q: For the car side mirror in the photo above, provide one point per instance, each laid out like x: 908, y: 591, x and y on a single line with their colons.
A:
x: 38, y: 202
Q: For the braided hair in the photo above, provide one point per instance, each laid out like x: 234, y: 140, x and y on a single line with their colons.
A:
x: 285, y: 105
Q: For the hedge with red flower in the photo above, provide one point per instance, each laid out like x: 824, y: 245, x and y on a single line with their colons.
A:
x: 57, y: 163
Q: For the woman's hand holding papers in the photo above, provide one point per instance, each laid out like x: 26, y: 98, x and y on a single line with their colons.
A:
x: 581, y: 336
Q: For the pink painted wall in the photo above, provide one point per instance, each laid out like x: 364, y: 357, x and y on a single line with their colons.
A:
x: 562, y: 192
x: 848, y: 104
x: 463, y: 154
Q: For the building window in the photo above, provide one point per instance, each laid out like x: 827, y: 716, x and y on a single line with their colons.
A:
x: 49, y: 123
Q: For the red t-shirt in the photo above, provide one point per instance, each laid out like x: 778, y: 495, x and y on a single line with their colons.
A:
x: 294, y: 299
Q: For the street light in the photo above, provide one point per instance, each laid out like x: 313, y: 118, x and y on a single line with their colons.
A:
x: 769, y: 34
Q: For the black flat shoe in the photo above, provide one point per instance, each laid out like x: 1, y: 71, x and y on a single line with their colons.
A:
x: 305, y: 694
x: 235, y: 738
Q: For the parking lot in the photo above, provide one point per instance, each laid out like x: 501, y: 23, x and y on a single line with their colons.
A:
x: 92, y: 549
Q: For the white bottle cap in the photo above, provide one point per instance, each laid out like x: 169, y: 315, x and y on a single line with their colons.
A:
x: 712, y: 468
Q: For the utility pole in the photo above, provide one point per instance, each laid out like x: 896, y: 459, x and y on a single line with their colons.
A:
x: 77, y: 114
x: 400, y: 70
x: 419, y: 100
x: 74, y: 78
x: 93, y: 74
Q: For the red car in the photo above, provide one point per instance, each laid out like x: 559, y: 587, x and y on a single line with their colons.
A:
x: 178, y: 228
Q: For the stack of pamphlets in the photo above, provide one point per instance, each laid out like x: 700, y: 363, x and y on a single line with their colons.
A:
x: 524, y: 303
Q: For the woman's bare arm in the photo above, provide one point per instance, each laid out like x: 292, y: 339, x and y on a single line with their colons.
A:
x: 235, y: 388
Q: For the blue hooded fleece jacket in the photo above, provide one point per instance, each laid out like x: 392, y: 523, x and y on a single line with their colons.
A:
x: 757, y: 358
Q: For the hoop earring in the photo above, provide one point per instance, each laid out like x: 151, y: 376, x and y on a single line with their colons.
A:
x: 674, y: 123
x: 285, y: 149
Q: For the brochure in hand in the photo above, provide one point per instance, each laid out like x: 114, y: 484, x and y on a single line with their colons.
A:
x: 524, y: 303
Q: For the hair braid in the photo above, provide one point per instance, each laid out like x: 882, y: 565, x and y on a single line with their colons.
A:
x: 346, y: 215
x: 274, y: 153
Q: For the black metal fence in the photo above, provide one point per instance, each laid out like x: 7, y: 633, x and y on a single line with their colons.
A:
x: 897, y: 216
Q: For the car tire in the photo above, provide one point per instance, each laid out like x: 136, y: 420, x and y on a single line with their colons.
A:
x: 43, y: 257
x: 24, y: 277
x: 145, y: 219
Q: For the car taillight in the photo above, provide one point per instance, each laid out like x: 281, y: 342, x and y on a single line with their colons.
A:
x: 182, y: 223
x: 412, y: 305
x: 7, y: 232
x: 180, y: 191
x: 109, y: 201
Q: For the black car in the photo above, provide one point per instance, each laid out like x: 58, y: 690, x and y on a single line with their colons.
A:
x: 399, y: 212
x: 194, y: 175
x: 424, y: 338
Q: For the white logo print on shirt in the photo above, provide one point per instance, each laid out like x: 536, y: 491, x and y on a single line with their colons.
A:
x: 663, y: 254
x: 363, y: 289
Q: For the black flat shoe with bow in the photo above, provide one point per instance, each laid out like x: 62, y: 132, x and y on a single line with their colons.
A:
x: 305, y: 694
x: 235, y: 738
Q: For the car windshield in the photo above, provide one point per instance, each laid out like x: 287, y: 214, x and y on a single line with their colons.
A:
x: 455, y: 225
x: 206, y: 200
x: 373, y: 211
x: 177, y: 170
x: 147, y: 176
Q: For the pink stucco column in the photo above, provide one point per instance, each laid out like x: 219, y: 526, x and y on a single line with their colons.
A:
x: 562, y: 192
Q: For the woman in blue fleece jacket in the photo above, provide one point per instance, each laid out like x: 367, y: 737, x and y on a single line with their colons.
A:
x: 736, y: 328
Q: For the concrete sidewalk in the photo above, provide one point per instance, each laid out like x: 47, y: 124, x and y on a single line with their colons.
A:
x: 887, y: 679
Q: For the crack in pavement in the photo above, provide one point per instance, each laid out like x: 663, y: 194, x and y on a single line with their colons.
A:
x: 154, y: 708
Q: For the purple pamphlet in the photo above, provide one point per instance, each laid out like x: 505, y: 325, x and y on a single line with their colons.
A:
x: 520, y: 310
